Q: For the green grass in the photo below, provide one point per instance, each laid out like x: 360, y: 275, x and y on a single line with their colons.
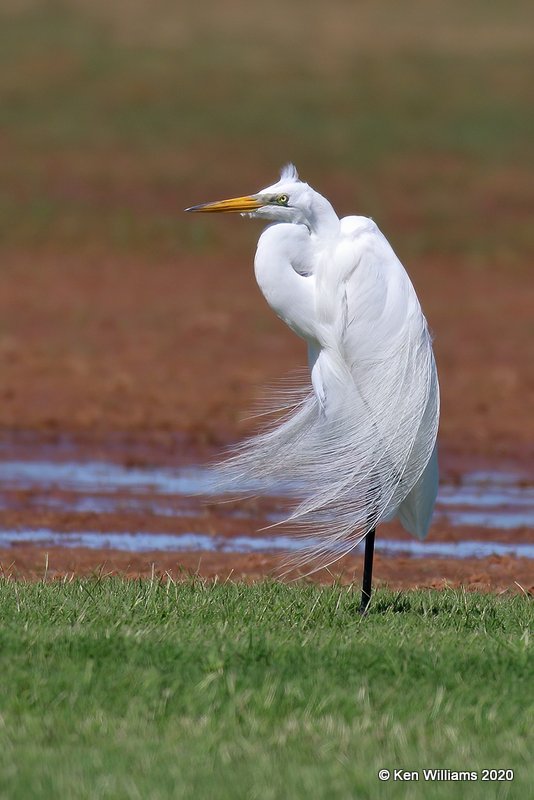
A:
x: 115, y: 689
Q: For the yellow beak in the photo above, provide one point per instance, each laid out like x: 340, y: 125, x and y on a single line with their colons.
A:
x: 240, y: 204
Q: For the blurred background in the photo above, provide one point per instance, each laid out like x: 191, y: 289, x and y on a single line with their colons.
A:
x: 120, y: 313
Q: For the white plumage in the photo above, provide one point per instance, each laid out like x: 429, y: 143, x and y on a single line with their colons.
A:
x: 359, y: 447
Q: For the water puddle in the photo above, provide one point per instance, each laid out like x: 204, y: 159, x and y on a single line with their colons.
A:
x: 499, y: 500
x: 95, y: 504
x: 105, y: 477
x: 491, y: 499
x: 183, y: 542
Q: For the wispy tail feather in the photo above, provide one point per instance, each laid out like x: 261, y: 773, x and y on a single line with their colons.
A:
x: 360, y: 463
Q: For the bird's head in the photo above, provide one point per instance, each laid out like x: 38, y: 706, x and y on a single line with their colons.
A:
x: 287, y: 200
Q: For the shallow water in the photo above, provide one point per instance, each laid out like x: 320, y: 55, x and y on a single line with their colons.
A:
x: 169, y: 542
x: 103, y: 476
x: 491, y: 499
x: 483, y: 499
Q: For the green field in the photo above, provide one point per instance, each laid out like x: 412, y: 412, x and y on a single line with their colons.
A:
x: 114, y: 116
x: 114, y: 689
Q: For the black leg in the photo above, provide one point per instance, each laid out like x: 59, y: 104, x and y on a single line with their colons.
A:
x: 367, y: 571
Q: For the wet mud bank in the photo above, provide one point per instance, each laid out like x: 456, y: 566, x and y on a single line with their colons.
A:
x: 135, y: 509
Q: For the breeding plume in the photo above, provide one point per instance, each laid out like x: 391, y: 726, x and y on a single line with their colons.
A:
x: 359, y: 447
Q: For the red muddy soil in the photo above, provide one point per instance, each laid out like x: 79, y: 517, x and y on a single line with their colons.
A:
x: 158, y: 361
x: 489, y: 574
x: 495, y: 573
x: 157, y: 349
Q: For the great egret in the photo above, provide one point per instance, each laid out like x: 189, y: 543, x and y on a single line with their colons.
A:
x: 361, y: 445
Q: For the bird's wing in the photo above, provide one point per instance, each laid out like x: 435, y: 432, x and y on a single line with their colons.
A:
x: 415, y: 511
x: 355, y: 448
x: 380, y: 376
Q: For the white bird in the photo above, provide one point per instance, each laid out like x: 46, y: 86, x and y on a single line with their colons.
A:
x: 360, y: 445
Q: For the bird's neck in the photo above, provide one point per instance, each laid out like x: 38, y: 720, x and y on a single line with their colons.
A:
x: 323, y: 221
x: 284, y: 267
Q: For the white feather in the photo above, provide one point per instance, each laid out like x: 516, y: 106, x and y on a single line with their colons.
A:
x: 359, y: 448
x: 289, y: 173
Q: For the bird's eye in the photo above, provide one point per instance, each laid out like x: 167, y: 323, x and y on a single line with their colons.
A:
x: 282, y: 199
